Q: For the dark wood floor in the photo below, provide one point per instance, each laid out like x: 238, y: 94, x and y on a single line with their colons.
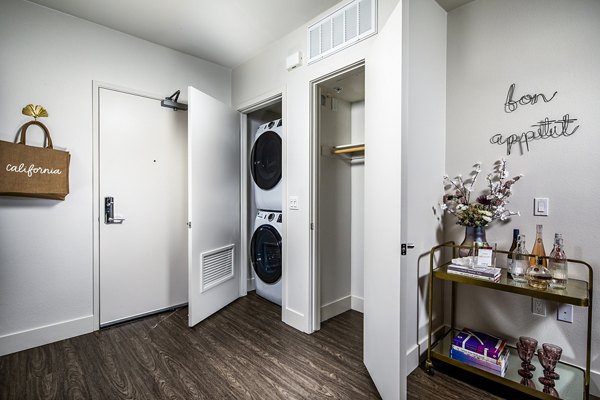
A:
x: 242, y: 352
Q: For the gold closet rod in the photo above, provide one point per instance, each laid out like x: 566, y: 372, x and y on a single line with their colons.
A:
x: 348, y: 148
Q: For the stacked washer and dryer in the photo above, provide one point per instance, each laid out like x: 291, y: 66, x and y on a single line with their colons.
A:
x: 265, y: 245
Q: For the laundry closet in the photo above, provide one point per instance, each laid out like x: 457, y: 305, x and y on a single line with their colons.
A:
x: 264, y: 201
x: 339, y: 190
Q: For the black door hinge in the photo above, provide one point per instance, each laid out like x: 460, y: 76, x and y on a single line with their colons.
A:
x: 405, y: 246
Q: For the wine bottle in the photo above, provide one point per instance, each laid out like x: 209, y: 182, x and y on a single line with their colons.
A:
x: 538, y: 247
x: 558, y: 264
x: 513, y: 246
x: 520, y: 261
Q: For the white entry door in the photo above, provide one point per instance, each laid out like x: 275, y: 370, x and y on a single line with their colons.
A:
x: 143, y: 167
x: 214, y: 205
x: 384, y: 320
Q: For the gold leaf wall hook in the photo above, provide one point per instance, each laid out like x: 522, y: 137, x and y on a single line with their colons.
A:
x: 34, y: 111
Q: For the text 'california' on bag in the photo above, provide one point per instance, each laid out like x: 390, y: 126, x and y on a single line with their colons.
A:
x: 31, y: 171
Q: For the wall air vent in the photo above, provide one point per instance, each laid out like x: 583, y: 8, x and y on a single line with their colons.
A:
x: 344, y: 27
x: 217, y: 267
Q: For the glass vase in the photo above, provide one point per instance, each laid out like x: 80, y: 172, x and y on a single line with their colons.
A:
x: 473, y: 234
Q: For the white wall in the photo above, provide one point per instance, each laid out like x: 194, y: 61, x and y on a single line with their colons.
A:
x: 542, y: 46
x: 50, y: 58
x: 357, y: 172
x: 334, y: 222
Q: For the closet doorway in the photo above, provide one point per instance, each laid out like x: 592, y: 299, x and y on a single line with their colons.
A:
x: 338, y: 193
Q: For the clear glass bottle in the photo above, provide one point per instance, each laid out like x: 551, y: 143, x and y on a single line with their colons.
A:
x: 513, y: 246
x: 520, y: 261
x: 538, y: 276
x: 557, y: 264
x: 538, y: 247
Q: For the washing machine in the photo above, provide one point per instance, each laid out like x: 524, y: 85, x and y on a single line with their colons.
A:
x: 265, y: 166
x: 265, y: 255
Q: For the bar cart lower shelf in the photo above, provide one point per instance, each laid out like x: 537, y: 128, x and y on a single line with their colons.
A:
x: 570, y: 385
x: 573, y: 382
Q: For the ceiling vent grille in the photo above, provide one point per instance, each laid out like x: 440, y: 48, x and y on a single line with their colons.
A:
x: 217, y: 267
x: 344, y: 27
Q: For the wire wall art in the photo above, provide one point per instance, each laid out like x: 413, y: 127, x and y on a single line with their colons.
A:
x: 544, y: 129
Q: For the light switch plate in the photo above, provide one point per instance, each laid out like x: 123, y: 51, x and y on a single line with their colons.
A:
x: 541, y: 206
x: 294, y: 203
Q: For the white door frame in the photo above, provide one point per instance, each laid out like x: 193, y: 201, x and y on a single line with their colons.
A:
x: 97, y: 204
x: 315, y: 152
x: 245, y: 109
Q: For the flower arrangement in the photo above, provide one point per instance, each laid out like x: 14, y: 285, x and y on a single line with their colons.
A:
x: 487, y: 207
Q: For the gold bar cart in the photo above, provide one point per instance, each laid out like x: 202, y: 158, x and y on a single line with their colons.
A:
x: 574, y: 382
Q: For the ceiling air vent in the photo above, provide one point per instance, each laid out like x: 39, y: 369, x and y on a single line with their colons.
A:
x: 217, y: 267
x: 344, y: 27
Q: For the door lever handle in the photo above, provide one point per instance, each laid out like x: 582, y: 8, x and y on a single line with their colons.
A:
x: 109, y: 209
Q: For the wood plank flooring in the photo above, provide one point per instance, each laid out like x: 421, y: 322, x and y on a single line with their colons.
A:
x: 242, y: 352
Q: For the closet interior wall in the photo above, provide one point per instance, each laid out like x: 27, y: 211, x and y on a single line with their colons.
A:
x: 340, y: 204
x: 254, y: 120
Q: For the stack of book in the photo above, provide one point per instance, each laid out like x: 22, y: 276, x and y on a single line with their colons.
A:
x: 486, y: 273
x: 480, y: 350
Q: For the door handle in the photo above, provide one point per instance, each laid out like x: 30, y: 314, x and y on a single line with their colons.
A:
x: 109, y: 210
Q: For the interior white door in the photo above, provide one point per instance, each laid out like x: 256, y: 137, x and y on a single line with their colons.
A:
x: 142, y: 165
x: 384, y: 337
x: 213, y: 205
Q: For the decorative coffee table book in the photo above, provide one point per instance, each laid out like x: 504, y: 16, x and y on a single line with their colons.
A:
x: 462, y: 266
x: 479, y: 342
x: 480, y: 350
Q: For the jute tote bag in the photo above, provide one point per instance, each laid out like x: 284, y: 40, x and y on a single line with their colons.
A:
x: 32, y: 171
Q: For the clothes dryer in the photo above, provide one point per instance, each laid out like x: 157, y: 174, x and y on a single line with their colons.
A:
x: 265, y: 254
x: 265, y: 166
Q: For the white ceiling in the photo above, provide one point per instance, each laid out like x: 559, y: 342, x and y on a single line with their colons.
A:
x: 226, y: 32
x: 349, y: 86
x: 450, y: 5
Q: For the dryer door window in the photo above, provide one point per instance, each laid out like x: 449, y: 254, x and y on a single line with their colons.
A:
x: 266, y: 160
x: 265, y: 251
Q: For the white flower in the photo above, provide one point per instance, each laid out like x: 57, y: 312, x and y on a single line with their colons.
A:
x: 443, y: 206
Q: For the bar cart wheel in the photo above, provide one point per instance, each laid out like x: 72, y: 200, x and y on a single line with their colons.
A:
x: 429, y: 368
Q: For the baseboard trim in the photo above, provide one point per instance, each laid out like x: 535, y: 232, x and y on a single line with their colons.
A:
x: 414, y: 352
x: 358, y: 304
x: 295, y: 319
x: 336, y: 307
x: 250, y: 285
x: 594, y: 382
x: 40, y: 336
